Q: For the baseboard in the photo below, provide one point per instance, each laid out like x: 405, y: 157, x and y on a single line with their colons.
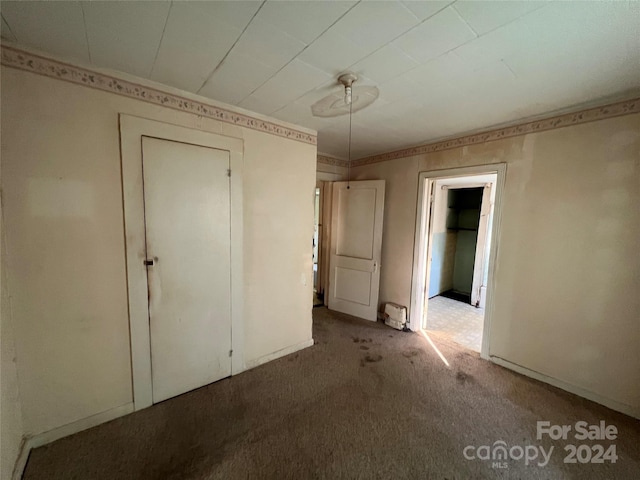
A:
x: 581, y: 392
x: 21, y: 461
x: 44, y: 438
x: 40, y: 439
x: 280, y: 353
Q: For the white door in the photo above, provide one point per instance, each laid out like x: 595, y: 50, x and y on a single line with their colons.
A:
x: 187, y: 219
x: 356, y: 246
x: 481, y: 243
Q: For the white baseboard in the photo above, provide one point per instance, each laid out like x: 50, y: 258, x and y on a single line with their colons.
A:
x: 280, y: 353
x: 21, y: 461
x: 40, y: 439
x: 581, y: 392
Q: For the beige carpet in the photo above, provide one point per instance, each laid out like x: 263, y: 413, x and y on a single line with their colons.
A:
x: 457, y: 321
x: 365, y: 402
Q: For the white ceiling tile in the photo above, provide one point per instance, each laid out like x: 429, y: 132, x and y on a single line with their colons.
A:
x: 260, y: 105
x: 333, y: 53
x: 398, y: 88
x: 237, y: 77
x: 325, y: 89
x: 298, y: 114
x: 511, y: 39
x: 439, y: 72
x: 338, y: 125
x: 268, y: 44
x: 231, y: 93
x: 437, y: 35
x: 452, y: 93
x: 384, y: 64
x: 606, y: 27
x: 5, y: 31
x: 139, y: 19
x: 303, y: 20
x: 374, y: 24
x: 125, y: 36
x: 445, y: 85
x: 195, y: 40
x: 604, y: 52
x: 55, y: 27
x: 290, y: 83
x: 423, y: 10
x: 489, y: 15
x: 233, y: 13
x: 585, y: 25
x: 407, y: 107
x: 121, y: 52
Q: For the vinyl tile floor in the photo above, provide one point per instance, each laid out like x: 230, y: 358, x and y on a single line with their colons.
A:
x: 459, y: 322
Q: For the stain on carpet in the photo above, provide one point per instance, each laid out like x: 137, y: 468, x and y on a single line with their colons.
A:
x: 372, y: 358
x: 463, y: 377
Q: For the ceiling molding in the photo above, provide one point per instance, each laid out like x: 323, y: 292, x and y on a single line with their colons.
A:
x: 332, y: 161
x: 22, y: 60
x: 584, y: 116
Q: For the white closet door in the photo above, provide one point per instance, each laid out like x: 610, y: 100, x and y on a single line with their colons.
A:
x: 187, y: 219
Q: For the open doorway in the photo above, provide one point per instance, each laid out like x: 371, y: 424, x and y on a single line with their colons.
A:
x: 318, y: 292
x: 453, y: 257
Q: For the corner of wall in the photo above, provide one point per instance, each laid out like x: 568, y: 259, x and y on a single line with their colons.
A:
x: 13, y: 446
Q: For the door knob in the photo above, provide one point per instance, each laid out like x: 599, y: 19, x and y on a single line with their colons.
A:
x: 148, y: 262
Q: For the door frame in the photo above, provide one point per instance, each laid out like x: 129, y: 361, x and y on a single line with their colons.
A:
x: 481, y: 243
x: 132, y: 129
x: 320, y: 283
x: 422, y: 244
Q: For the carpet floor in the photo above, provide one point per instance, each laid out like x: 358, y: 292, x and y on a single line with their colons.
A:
x: 364, y: 402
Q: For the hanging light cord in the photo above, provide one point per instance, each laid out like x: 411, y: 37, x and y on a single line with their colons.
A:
x: 349, y: 156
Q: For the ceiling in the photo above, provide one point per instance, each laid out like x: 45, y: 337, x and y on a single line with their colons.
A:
x: 443, y: 68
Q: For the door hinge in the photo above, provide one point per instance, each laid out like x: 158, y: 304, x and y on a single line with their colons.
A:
x: 228, y: 172
x: 230, y: 352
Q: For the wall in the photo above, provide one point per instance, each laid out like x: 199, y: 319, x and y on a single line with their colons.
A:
x: 10, y: 413
x: 566, y: 302
x: 66, y: 268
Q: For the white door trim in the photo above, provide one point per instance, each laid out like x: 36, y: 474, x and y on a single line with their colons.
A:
x: 481, y: 244
x: 132, y: 129
x: 420, y: 279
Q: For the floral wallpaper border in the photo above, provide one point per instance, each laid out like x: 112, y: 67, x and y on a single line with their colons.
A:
x: 332, y: 161
x: 592, y: 114
x: 19, y: 59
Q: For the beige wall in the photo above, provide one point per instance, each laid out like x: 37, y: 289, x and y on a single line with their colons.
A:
x: 10, y: 413
x: 66, y: 265
x: 566, y: 296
